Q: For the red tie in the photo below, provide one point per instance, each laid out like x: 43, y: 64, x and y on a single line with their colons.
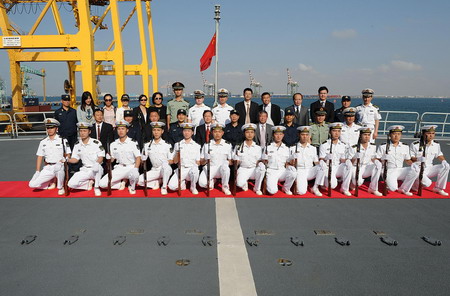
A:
x: 98, y: 131
x: 207, y: 134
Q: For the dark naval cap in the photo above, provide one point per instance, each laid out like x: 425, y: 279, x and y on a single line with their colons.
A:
x: 234, y: 111
x: 181, y: 111
x: 177, y: 85
x: 128, y: 113
x: 289, y: 111
x: 321, y: 111
x: 65, y: 97
x: 346, y: 98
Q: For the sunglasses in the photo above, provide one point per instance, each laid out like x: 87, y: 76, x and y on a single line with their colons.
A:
x: 158, y: 98
x: 142, y: 100
x: 108, y: 100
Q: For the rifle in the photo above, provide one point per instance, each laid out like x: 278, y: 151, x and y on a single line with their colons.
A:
x: 385, y: 167
x: 422, y: 165
x: 179, y: 168
x: 233, y: 188
x: 264, y: 184
x: 66, y: 170
x: 358, y: 149
x: 144, y: 164
x: 108, y: 165
x: 330, y: 166
x: 295, y: 165
x: 208, y: 167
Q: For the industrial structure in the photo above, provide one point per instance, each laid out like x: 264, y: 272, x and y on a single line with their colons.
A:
x: 78, y: 50
x: 254, y: 85
x: 208, y: 87
x: 292, y: 86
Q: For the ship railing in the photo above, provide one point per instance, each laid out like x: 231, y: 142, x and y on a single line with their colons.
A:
x: 9, y: 122
x: 31, y: 127
x: 410, y: 120
x: 442, y: 120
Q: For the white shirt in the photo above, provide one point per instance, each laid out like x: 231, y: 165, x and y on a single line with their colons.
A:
x: 248, y: 155
x: 189, y: 153
x: 306, y: 156
x: 158, y: 153
x: 195, y: 114
x: 222, y: 113
x: 52, y: 150
x: 432, y: 151
x: 125, y: 152
x: 219, y: 153
x: 399, y: 153
x: 366, y: 115
x: 367, y: 154
x: 350, y: 134
x: 89, y: 152
x: 268, y: 109
x: 338, y: 151
x: 276, y: 156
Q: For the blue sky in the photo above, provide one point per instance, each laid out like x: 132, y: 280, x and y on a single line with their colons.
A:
x: 395, y: 47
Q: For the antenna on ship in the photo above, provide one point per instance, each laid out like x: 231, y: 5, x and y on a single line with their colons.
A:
x: 254, y: 85
x: 208, y: 87
x: 292, y: 86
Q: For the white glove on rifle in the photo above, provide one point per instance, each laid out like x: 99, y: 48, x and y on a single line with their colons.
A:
x: 421, y: 159
x: 349, y: 163
x: 323, y: 165
x: 415, y: 166
x: 262, y: 166
x: 329, y: 156
x: 108, y: 156
x: 96, y: 167
x: 358, y: 155
x: 144, y: 157
x: 207, y: 156
x: 377, y: 164
x: 445, y: 164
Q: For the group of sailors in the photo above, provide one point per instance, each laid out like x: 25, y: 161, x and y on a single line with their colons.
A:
x: 188, y: 162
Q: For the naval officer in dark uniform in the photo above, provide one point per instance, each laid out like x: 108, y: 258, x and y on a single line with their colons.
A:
x: 134, y: 129
x: 291, y: 133
x: 67, y: 118
x: 233, y: 130
x: 175, y: 129
x: 346, y: 101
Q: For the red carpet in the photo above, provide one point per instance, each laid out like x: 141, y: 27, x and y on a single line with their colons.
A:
x: 20, y: 189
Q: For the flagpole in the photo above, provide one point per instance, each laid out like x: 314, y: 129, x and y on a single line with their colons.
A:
x: 217, y: 18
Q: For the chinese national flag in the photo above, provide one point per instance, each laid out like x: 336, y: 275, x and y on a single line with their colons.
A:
x: 210, y: 51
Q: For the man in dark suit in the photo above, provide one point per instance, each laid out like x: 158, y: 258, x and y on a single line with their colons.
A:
x: 322, y: 103
x: 301, y: 112
x: 263, y: 133
x: 101, y: 130
x: 203, y: 132
x: 247, y: 109
x: 273, y: 111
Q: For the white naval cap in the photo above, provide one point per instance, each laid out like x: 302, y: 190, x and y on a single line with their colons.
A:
x: 396, y: 128
x: 335, y: 125
x: 367, y: 92
x: 223, y: 92
x: 365, y: 130
x: 122, y: 123
x: 217, y: 125
x: 278, y: 129
x: 187, y: 125
x: 198, y: 93
x: 51, y: 122
x: 304, y: 129
x: 350, y: 111
x: 84, y: 125
x: 429, y: 128
x: 157, y: 124
x: 249, y: 126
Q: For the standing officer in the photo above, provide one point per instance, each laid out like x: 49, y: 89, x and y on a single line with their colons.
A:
x: 176, y: 103
x: 304, y: 155
x: 431, y: 150
x: 125, y: 152
x: 218, y: 153
x: 195, y: 114
x: 189, y: 158
x: 51, y: 150
x: 397, y: 154
x: 367, y: 114
x: 91, y: 153
x: 248, y: 155
x: 350, y: 130
x: 222, y: 111
x: 319, y: 130
x: 67, y: 118
x: 161, y: 156
x: 276, y: 156
x: 290, y: 134
x: 233, y: 130
x: 339, y: 113
x: 175, y: 129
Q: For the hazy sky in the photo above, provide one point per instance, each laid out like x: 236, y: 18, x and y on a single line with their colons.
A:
x: 396, y: 47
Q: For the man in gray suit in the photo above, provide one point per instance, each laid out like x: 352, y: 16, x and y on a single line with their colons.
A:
x: 301, y: 112
x: 263, y: 133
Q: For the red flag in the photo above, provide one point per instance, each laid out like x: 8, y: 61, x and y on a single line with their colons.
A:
x: 210, y: 51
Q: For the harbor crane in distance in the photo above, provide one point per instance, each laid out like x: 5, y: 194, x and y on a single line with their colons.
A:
x: 292, y: 86
x: 254, y: 85
x: 208, y: 87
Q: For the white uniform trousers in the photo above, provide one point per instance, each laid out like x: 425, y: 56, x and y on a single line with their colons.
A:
x: 338, y: 171
x: 119, y: 173
x: 365, y: 171
x: 303, y: 175
x: 155, y: 174
x: 222, y: 171
x: 436, y: 170
x: 273, y: 176
x: 46, y: 176
x: 80, y: 180
x: 406, y: 174
x: 188, y: 174
x: 244, y: 174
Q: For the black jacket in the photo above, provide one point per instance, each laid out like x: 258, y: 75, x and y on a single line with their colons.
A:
x: 329, y: 107
x: 254, y: 109
x: 275, y: 113
x: 106, y: 133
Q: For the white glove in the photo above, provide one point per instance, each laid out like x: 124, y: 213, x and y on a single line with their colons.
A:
x: 96, y: 167
x: 349, y: 163
x: 445, y: 164
x: 323, y: 165
x: 377, y: 164
x: 36, y: 175
x: 261, y: 166
x: 421, y: 159
x: 134, y: 174
x: 108, y: 156
x: 388, y: 158
x: 64, y: 159
x: 236, y: 157
x: 416, y: 167
x: 358, y: 155
x: 58, y: 166
x: 207, y: 156
x: 144, y: 157
x: 329, y: 156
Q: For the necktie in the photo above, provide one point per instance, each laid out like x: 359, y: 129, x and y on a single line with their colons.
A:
x: 247, y: 113
x: 207, y: 133
x: 98, y: 131
x: 263, y: 135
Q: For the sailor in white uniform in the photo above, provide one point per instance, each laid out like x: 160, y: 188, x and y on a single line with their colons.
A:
x: 350, y: 130
x: 425, y: 154
x: 334, y: 151
x: 367, y: 114
x: 222, y: 111
x: 219, y: 153
x: 397, y: 154
x: 161, y: 155
x: 304, y: 161
x: 125, y: 151
x: 91, y: 153
x: 276, y: 157
x: 249, y: 156
x: 195, y: 113
x: 53, y: 150
x: 189, y: 158
x: 369, y: 166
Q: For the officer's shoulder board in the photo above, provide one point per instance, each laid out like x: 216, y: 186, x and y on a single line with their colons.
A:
x: 133, y: 140
x: 378, y: 108
x: 96, y: 141
x: 402, y: 143
x: 77, y: 142
x: 373, y: 144
x: 383, y: 143
x: 436, y: 141
x: 324, y: 141
x: 416, y: 142
x: 354, y: 146
x: 227, y: 142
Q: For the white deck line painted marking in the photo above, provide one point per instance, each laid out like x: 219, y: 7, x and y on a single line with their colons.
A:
x: 235, y: 273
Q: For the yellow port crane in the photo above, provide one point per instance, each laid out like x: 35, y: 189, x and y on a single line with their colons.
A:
x: 78, y: 50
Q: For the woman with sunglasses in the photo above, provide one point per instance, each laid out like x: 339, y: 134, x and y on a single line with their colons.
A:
x: 85, y: 112
x: 141, y: 114
x: 125, y: 99
x: 157, y: 99
x: 109, y: 111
